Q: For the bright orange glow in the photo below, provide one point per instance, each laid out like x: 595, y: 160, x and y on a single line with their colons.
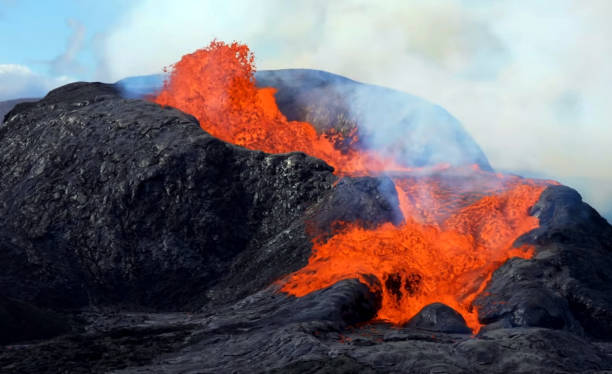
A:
x: 445, y: 251
x: 216, y: 85
x: 459, y: 224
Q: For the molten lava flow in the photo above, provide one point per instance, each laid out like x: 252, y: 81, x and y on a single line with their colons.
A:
x: 459, y: 226
x: 443, y: 252
x: 216, y: 85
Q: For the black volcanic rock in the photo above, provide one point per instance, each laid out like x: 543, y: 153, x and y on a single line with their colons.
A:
x: 568, y: 283
x: 438, y: 317
x: 8, y: 105
x: 345, y: 303
x: 239, y: 339
x: 105, y: 200
x: 369, y: 200
x: 128, y: 210
x: 108, y: 201
x: 532, y: 350
x: 21, y: 321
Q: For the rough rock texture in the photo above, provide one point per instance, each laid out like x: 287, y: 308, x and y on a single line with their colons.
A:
x: 109, y: 204
x: 110, y: 342
x: 367, y: 200
x: 568, y: 283
x: 8, y: 105
x: 439, y: 317
x: 370, y: 201
x: 105, y: 200
x: 268, y: 332
x: 21, y: 321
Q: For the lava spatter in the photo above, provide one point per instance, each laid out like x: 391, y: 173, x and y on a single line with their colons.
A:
x: 433, y: 256
x: 217, y: 86
x: 454, y: 234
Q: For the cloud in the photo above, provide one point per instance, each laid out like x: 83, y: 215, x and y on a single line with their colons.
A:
x: 66, y: 62
x: 306, y: 32
x: 18, y: 81
x: 529, y: 80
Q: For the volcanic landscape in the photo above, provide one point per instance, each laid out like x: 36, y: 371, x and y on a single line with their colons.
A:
x: 215, y: 219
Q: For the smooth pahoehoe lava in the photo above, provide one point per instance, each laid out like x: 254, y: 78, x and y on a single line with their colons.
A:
x: 459, y: 224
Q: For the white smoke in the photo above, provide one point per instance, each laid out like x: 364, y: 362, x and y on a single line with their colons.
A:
x: 19, y: 81
x: 528, y: 80
x: 66, y: 63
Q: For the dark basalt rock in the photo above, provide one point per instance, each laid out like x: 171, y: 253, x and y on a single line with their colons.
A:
x: 114, y: 343
x: 346, y: 303
x: 335, y: 365
x: 8, y: 105
x: 438, y: 317
x: 230, y: 342
x: 368, y: 200
x: 568, y: 283
x: 108, y: 204
x: 532, y: 350
x: 21, y: 321
x: 268, y: 331
x: 105, y: 201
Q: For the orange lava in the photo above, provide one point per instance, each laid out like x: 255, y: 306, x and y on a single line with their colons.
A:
x: 459, y: 225
x: 446, y: 250
x: 217, y: 86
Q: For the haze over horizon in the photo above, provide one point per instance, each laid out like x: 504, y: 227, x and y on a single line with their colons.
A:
x: 528, y: 81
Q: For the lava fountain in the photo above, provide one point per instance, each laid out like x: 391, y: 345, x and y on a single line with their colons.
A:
x: 217, y: 86
x: 459, y: 225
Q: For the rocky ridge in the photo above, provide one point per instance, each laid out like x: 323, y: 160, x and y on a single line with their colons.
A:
x: 154, y: 247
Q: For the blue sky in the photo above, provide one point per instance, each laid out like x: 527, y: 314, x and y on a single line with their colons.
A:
x: 528, y: 79
x: 34, y: 33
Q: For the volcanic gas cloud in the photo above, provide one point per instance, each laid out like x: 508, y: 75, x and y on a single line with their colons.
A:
x: 458, y: 226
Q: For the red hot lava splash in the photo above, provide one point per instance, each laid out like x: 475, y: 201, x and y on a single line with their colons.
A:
x: 217, y: 86
x: 458, y: 227
x: 446, y: 250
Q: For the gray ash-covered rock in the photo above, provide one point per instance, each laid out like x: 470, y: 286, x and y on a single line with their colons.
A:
x: 110, y: 342
x: 345, y: 303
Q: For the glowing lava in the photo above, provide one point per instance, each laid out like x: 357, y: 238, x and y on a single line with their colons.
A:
x: 217, y: 86
x: 459, y: 226
x: 445, y: 251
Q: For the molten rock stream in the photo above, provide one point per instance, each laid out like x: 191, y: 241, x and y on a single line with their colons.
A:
x: 457, y: 230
